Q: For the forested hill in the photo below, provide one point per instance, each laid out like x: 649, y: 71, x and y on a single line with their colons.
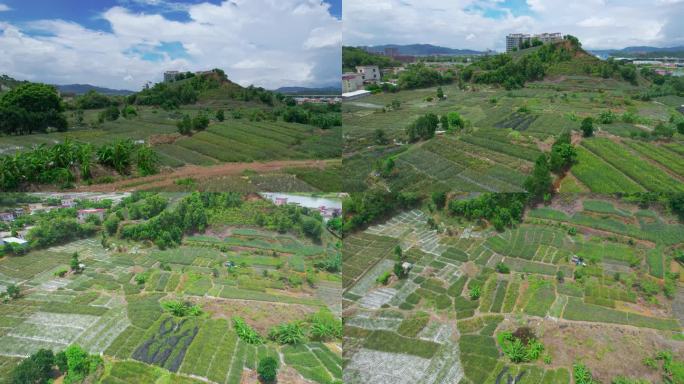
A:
x: 352, y: 56
x: 421, y: 50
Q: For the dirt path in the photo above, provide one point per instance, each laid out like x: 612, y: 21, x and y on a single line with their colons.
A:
x: 198, y: 173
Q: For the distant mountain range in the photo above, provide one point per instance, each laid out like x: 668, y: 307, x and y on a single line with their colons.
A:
x: 80, y: 89
x: 634, y: 51
x: 309, y: 91
x: 421, y: 50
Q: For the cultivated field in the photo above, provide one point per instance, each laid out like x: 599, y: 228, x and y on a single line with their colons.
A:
x: 114, y: 307
x: 507, y: 131
x: 429, y: 328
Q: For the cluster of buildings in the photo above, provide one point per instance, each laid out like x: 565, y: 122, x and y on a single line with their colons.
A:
x: 364, y: 75
x: 66, y: 201
x: 353, y: 83
x: 516, y: 40
x: 328, y: 208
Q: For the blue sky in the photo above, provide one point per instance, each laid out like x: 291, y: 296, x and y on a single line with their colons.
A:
x: 483, y: 24
x: 43, y: 40
x: 87, y: 13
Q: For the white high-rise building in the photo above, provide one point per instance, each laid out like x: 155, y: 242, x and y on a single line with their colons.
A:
x: 515, y: 40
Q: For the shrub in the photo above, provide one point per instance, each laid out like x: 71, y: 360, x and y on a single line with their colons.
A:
x: 181, y: 308
x: 587, y: 127
x: 245, y: 332
x: 268, y: 369
x: 384, y: 278
x: 290, y: 333
x: 502, y: 268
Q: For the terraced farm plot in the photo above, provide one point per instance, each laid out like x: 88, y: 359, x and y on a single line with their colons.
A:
x: 651, y: 176
x: 505, y: 134
x: 403, y: 330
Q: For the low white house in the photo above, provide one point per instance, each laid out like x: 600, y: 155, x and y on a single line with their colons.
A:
x: 351, y: 82
x: 355, y: 95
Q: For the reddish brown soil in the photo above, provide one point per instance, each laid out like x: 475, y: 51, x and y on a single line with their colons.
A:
x: 259, y: 314
x: 198, y: 173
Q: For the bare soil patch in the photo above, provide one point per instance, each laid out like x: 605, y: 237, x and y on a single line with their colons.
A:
x: 608, y: 350
x: 198, y: 173
x: 258, y: 314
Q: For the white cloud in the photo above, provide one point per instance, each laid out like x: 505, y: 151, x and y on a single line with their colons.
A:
x: 268, y: 43
x: 4, y: 7
x: 462, y: 24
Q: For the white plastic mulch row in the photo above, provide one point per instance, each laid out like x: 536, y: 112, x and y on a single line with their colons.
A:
x: 377, y: 298
x: 367, y: 321
x: 368, y: 281
x: 377, y: 367
x: 97, y: 338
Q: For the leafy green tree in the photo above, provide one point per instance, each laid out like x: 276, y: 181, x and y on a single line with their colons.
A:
x: 36, y: 369
x: 587, y: 127
x: 74, y: 263
x: 220, y: 116
x: 439, y: 199
x: 444, y: 120
x: 31, y: 107
x: 200, y: 122
x: 560, y: 276
x: 184, y: 125
x: 111, y: 113
x: 502, y: 268
x: 562, y: 157
x: 455, y: 120
x: 539, y: 183
x: 380, y: 137
x: 423, y: 128
x: 440, y: 93
x: 399, y: 270
x: 147, y: 161
x: 268, y: 369
x: 312, y: 227
x: 13, y: 291
x: 111, y: 224
x: 398, y: 253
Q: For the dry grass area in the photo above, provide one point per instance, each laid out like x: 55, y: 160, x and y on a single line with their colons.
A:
x: 259, y: 314
x: 607, y: 350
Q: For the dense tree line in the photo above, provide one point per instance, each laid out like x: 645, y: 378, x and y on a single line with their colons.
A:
x: 420, y: 76
x: 563, y: 154
x: 30, y: 108
x: 323, y: 116
x: 352, y: 57
x: 74, y: 362
x: 362, y: 209
x: 501, y: 209
x: 94, y: 100
x: 59, y: 164
x: 166, y: 227
x: 540, y: 183
x: 57, y: 227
